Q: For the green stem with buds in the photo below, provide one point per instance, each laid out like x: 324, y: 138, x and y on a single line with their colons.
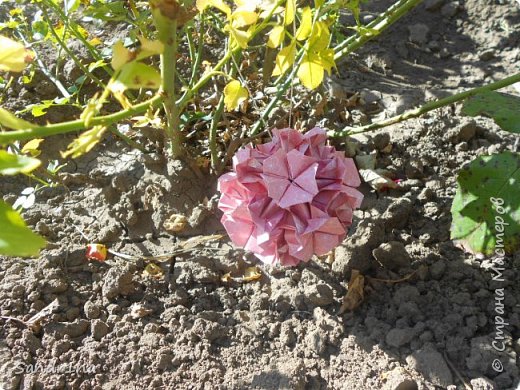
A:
x: 168, y: 35
x: 427, y: 107
x: 381, y: 23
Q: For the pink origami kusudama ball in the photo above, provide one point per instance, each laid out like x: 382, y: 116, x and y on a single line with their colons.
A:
x: 290, y: 198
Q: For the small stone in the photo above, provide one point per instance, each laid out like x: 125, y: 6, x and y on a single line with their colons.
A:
x: 118, y: 281
x: 399, y: 337
x: 414, y: 168
x: 467, y: 131
x: 487, y: 55
x: 98, y: 329
x: 399, y: 379
x: 392, y: 255
x: 287, y: 335
x: 437, y: 269
x: 419, y: 33
x: 319, y: 294
x: 482, y: 384
x: 91, y: 310
x: 398, y: 213
x: 72, y: 313
x: 356, y: 253
x: 432, y: 365
x: 368, y: 97
x: 433, y: 5
x: 449, y: 10
x: 381, y: 140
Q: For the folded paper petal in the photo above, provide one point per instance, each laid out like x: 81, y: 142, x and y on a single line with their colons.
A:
x: 290, y: 198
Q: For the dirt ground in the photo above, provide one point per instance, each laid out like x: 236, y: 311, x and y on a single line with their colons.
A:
x: 116, y: 327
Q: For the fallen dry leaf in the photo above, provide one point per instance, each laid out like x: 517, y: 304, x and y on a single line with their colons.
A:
x: 175, y: 223
x: 251, y: 274
x: 138, y: 310
x: 198, y: 240
x: 154, y: 271
x: 378, y: 179
x: 226, y: 278
x: 355, y: 293
x: 34, y: 323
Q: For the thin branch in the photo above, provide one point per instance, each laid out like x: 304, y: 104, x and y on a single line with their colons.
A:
x: 427, y: 107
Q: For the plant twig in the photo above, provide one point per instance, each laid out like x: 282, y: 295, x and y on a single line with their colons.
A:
x: 213, y: 134
x: 78, y: 124
x: 427, y: 107
x: 69, y: 52
x: 381, y: 23
x: 167, y: 29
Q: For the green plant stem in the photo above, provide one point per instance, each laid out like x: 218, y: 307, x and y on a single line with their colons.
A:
x: 105, y: 120
x: 274, y: 101
x: 213, y: 134
x: 348, y: 46
x: 168, y: 73
x: 69, y: 52
x: 383, y: 21
x: 198, y: 54
x: 427, y: 107
x: 127, y: 139
x: 77, y: 34
x: 78, y: 124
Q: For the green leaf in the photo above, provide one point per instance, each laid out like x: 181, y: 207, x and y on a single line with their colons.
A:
x: 234, y: 94
x: 290, y: 7
x: 503, y: 108
x: 135, y: 75
x: 16, y: 239
x: 477, y: 210
x: 14, y: 57
x: 85, y: 142
x: 284, y: 59
x: 310, y: 73
x: 11, y: 164
x: 304, y: 30
x: 276, y: 36
x: 10, y: 121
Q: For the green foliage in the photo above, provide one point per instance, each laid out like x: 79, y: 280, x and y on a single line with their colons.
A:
x: 16, y: 239
x: 486, y: 207
x: 11, y: 164
x: 11, y: 121
x: 503, y: 108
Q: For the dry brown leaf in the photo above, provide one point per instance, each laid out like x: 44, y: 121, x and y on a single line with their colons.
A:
x: 34, y: 323
x: 355, y: 294
x: 226, y: 278
x: 176, y: 223
x: 154, y: 271
x: 378, y: 179
x: 252, y: 274
x: 199, y: 240
x: 138, y: 310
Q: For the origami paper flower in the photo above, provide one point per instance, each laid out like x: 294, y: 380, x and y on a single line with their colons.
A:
x: 290, y: 198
